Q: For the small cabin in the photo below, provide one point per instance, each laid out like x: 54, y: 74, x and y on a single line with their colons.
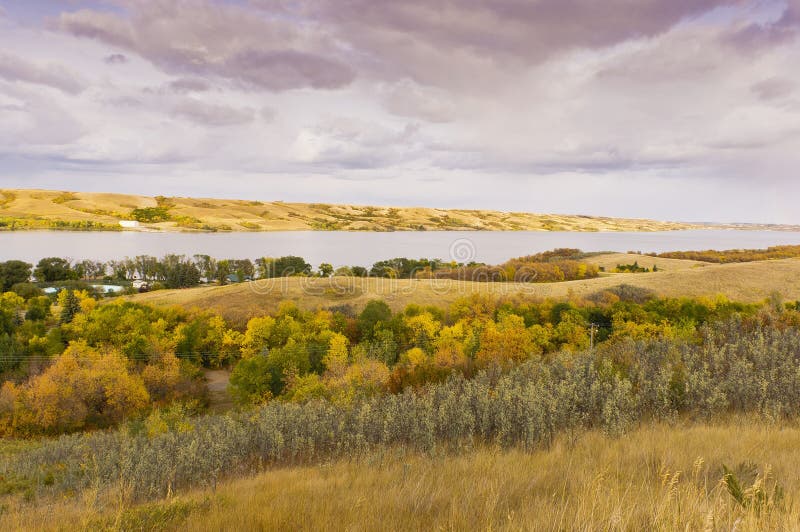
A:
x: 129, y: 224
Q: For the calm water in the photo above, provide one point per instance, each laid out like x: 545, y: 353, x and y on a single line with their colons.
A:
x: 356, y: 248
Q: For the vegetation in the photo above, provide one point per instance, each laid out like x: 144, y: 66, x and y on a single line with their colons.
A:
x: 39, y: 209
x: 665, y: 476
x: 736, y: 255
x: 103, y: 404
x: 633, y: 268
x: 739, y: 366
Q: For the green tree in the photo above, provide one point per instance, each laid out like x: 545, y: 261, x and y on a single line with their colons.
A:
x: 13, y: 272
x: 251, y: 380
x: 70, y: 307
x: 53, y: 269
x: 325, y: 270
x: 375, y: 312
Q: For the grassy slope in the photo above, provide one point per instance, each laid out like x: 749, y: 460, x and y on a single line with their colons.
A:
x: 239, y: 215
x: 656, y: 478
x: 742, y: 282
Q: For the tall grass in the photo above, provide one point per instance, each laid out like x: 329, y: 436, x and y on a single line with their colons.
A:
x: 659, y: 477
x: 734, y: 369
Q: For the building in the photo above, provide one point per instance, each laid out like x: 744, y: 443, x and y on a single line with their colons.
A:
x: 129, y: 224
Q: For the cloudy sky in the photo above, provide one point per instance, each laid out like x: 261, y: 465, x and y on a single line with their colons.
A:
x: 669, y: 109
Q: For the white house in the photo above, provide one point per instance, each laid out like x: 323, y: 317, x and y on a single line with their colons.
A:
x: 129, y: 223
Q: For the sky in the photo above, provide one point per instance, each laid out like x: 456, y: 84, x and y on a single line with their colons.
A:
x: 675, y: 110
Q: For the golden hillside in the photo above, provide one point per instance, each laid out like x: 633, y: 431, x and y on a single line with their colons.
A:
x: 47, y: 209
x: 747, y: 282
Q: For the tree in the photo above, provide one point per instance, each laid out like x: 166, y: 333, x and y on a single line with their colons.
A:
x: 251, y: 380
x: 375, y: 312
x: 13, y: 272
x: 283, y: 267
x: 223, y: 270
x: 83, y: 387
x: 325, y: 270
x: 70, y: 305
x: 53, y: 269
x: 207, y: 266
x: 181, y: 275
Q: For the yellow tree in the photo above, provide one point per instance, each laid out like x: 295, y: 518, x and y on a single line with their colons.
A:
x: 506, y: 341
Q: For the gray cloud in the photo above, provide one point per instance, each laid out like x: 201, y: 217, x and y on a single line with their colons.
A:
x: 187, y: 85
x: 773, y: 88
x: 411, y: 100
x: 13, y: 68
x: 211, y: 114
x: 116, y: 59
x: 431, y: 40
x: 207, y: 38
x: 757, y: 35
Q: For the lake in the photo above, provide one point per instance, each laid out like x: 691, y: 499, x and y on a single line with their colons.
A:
x: 363, y: 248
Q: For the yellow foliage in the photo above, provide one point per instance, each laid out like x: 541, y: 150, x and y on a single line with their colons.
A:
x: 335, y: 360
x: 257, y: 335
x: 162, y: 378
x: 506, y: 341
x: 423, y: 328
x: 413, y: 357
x: 83, y: 387
x: 449, y: 349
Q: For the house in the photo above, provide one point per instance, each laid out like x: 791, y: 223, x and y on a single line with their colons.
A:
x: 129, y: 224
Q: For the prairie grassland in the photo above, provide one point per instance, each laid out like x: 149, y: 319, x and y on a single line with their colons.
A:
x: 659, y: 477
x: 746, y: 282
x: 241, y: 215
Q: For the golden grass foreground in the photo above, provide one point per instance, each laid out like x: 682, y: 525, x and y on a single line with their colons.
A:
x: 659, y: 477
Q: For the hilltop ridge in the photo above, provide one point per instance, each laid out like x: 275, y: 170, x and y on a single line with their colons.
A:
x: 23, y: 209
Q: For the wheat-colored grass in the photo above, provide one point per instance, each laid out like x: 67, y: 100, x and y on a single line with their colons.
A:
x: 747, y: 282
x: 241, y: 215
x: 657, y: 478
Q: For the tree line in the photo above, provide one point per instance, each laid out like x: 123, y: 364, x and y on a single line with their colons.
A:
x: 180, y: 271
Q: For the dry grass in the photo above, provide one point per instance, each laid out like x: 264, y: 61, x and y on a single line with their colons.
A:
x: 746, y: 282
x: 609, y: 261
x: 239, y: 215
x: 656, y: 478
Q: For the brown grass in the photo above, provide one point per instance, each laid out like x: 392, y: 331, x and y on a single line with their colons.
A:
x: 657, y: 478
x: 239, y: 215
x: 746, y: 282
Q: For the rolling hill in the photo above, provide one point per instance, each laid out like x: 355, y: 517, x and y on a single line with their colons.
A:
x: 747, y: 282
x: 47, y: 209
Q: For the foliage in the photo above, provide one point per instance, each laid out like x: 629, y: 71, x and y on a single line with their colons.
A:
x: 52, y: 269
x: 739, y: 366
x: 13, y: 272
x: 735, y: 255
x: 151, y: 214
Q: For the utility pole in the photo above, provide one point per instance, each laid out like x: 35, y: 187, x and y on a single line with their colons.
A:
x: 592, y: 328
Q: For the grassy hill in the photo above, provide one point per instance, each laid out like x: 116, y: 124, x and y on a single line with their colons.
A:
x: 747, y: 282
x: 660, y: 477
x: 47, y: 209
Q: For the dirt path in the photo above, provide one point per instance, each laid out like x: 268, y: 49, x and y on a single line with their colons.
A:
x: 217, y: 383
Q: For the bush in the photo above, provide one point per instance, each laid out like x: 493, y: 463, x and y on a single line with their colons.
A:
x: 737, y: 367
